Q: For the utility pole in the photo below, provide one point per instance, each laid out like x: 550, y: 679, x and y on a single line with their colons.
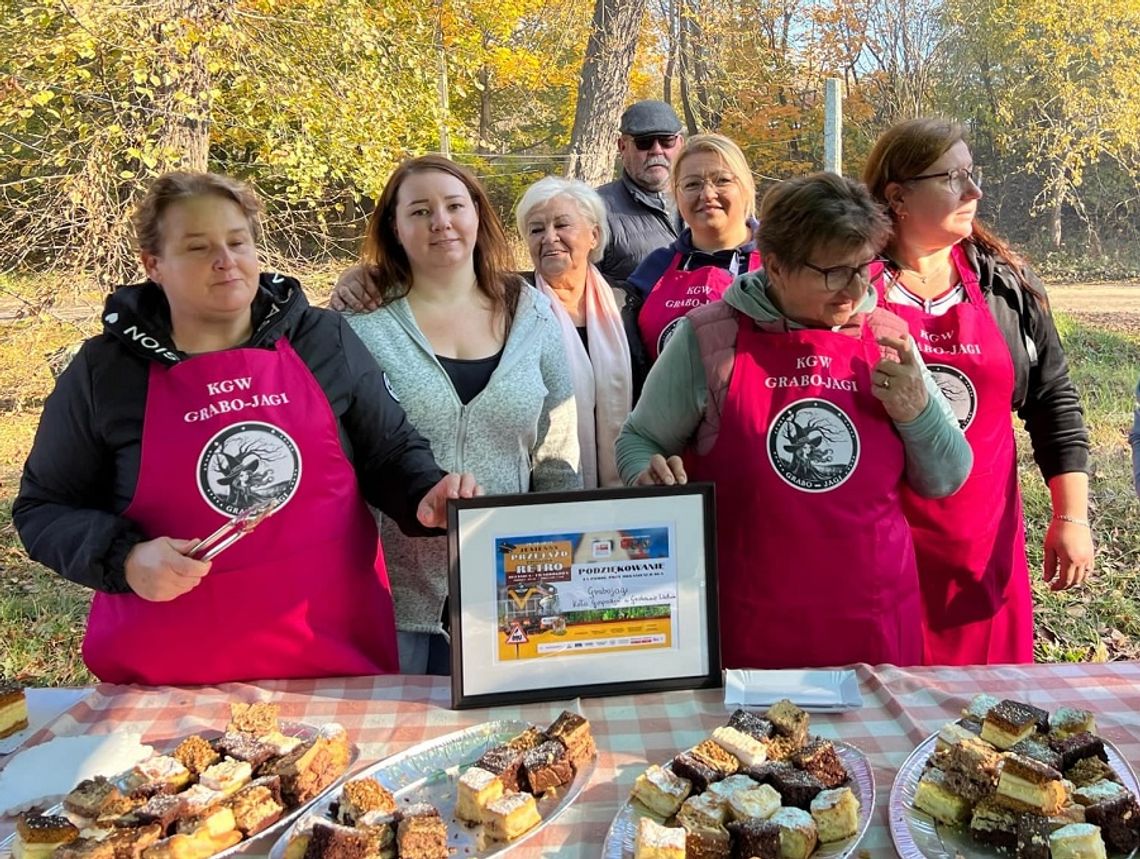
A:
x: 444, y: 109
x: 833, y: 126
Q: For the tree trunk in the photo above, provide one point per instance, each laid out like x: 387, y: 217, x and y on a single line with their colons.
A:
x: 1056, y: 208
x: 184, y: 97
x: 603, y: 88
x: 483, y: 145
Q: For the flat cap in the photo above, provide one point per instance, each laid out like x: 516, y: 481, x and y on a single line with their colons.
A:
x: 649, y: 117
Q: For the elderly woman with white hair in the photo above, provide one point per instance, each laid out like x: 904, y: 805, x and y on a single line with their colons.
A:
x: 563, y: 222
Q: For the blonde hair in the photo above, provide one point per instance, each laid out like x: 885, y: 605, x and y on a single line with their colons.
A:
x: 588, y: 202
x: 174, y: 187
x: 733, y: 159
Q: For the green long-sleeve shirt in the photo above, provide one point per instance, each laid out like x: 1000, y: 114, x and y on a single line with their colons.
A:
x: 672, y: 404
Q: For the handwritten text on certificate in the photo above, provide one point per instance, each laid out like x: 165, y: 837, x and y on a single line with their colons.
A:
x: 585, y: 592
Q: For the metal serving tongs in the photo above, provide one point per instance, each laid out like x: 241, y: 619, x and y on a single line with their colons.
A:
x: 234, y: 530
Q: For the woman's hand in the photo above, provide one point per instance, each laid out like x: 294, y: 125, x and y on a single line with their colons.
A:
x: 662, y: 472
x: 354, y: 291
x: 432, y: 511
x: 1068, y: 554
x: 159, y: 571
x: 898, y: 385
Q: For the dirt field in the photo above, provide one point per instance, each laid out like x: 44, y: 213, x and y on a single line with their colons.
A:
x: 1115, y: 306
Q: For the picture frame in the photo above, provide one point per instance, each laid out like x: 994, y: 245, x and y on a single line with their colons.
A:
x: 561, y: 595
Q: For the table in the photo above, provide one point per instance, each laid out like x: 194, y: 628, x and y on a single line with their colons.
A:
x: 385, y: 715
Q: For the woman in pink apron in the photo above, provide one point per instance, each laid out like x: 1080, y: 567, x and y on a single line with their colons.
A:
x: 811, y: 411
x: 982, y: 322
x: 215, y: 389
x: 716, y: 196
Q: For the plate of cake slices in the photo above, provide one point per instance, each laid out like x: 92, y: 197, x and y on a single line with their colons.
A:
x: 474, y: 792
x: 1011, y: 778
x: 760, y: 785
x: 201, y: 799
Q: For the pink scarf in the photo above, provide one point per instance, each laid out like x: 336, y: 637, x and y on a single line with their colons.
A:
x: 603, y: 382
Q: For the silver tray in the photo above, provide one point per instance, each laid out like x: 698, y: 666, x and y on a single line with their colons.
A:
x: 428, y: 773
x: 918, y: 836
x: 620, y: 839
x: 290, y: 729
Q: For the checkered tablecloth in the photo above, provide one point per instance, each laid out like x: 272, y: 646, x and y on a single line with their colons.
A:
x: 385, y: 715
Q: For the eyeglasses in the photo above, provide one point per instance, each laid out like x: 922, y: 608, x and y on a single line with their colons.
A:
x: 666, y: 141
x: 838, y: 277
x: 955, y: 179
x: 694, y: 185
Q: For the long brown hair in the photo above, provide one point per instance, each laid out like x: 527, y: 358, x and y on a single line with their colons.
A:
x: 907, y: 149
x: 387, y: 263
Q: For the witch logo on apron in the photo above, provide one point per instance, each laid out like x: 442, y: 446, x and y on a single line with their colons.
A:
x: 813, y: 445
x: 247, y: 463
x: 667, y: 334
x: 958, y: 390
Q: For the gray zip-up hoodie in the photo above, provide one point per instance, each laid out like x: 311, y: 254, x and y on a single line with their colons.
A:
x: 520, y: 433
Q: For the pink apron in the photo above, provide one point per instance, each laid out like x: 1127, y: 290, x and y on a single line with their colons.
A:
x: 305, y: 594
x: 977, y: 600
x: 815, y: 559
x: 678, y: 292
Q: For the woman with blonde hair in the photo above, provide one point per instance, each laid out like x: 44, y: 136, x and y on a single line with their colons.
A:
x: 716, y: 196
x: 981, y: 319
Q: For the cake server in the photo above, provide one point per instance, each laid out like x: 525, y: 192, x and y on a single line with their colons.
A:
x: 232, y: 531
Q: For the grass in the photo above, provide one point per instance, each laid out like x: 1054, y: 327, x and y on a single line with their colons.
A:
x: 42, y: 616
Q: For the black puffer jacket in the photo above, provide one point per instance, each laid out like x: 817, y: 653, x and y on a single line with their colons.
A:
x: 84, y: 464
x: 639, y: 223
x: 1043, y: 393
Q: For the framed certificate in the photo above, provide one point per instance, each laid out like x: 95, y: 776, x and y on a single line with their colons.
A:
x: 566, y: 594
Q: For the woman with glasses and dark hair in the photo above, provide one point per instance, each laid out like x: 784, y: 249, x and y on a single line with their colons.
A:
x: 811, y: 410
x: 716, y: 196
x: 982, y: 321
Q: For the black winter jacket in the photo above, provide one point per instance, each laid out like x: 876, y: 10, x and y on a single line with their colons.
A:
x: 639, y: 223
x: 84, y: 465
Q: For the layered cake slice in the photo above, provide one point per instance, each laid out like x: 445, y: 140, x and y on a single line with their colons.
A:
x: 706, y: 809
x: 196, y: 754
x: 1101, y: 791
x: 993, y: 823
x: 475, y: 788
x: 227, y: 775
x: 258, y: 719
x: 759, y: 802
x: 1039, y: 750
x: 134, y: 842
x: 972, y: 767
x: 38, y: 835
x: 746, y: 749
x: 546, y: 766
x: 1033, y: 836
x: 13, y: 708
x: 91, y: 798
x: 573, y: 731
x: 506, y: 764
x: 933, y: 796
x: 1072, y: 720
x: 1119, y: 822
x: 661, y: 791
x: 360, y: 796
x: 707, y: 842
x: 699, y: 774
x: 509, y: 816
x: 529, y: 739
x: 1029, y: 785
x: 1076, y: 841
x: 1077, y: 747
x: 158, y: 774
x: 332, y: 841
x: 733, y: 784
x: 255, y: 808
x: 751, y: 724
x: 836, y: 814
x: 789, y: 721
x: 655, y: 841
x: 712, y: 755
x: 307, y: 770
x: 422, y: 838
x: 216, y: 821
x: 755, y: 839
x: 819, y: 759
x: 796, y: 787
x: 798, y: 833
x: 1009, y: 723
x: 243, y: 747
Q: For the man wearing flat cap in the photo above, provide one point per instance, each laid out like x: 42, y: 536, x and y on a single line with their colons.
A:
x: 640, y: 210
